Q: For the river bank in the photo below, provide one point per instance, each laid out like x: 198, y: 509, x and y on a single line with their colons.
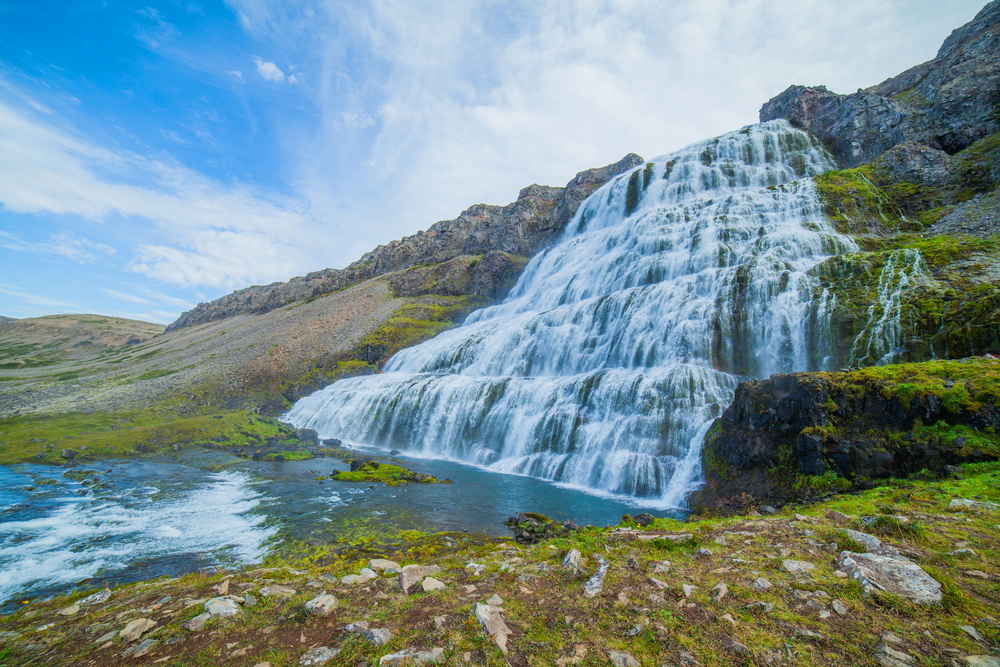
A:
x: 752, y: 589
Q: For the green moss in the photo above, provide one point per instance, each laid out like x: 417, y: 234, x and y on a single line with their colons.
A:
x: 385, y: 473
x: 647, y: 175
x: 633, y: 194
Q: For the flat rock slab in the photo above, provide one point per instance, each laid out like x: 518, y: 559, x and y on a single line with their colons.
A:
x: 797, y: 566
x: 965, y: 503
x: 492, y: 622
x: 892, y: 575
x: 411, y: 657
x: 321, y: 605
x: 136, y: 629
x: 982, y: 661
x: 197, y: 623
x: 276, y: 592
x: 222, y: 607
x: 141, y: 648
x: 871, y: 544
x: 70, y: 611
x: 97, y: 598
x: 319, y: 655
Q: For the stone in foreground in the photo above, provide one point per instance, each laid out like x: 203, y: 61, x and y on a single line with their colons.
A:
x: 136, y: 629
x: 410, y: 657
x: 222, y: 607
x: 318, y: 656
x: 892, y: 575
x: 384, y: 566
x: 492, y: 622
x: 430, y: 584
x: 622, y: 659
x: 321, y: 605
x: 277, y: 592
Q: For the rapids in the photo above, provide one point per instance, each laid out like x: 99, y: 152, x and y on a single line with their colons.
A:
x: 607, y: 362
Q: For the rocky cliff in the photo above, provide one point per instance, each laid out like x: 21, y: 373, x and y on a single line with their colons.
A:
x: 947, y: 104
x: 482, y: 250
x: 854, y: 427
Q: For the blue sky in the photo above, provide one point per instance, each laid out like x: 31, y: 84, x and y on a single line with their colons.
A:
x: 156, y: 154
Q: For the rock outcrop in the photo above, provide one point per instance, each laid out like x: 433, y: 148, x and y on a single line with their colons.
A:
x: 499, y: 234
x: 947, y: 103
x: 857, y: 425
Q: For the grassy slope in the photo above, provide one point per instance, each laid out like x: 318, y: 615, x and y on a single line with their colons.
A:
x: 549, y: 616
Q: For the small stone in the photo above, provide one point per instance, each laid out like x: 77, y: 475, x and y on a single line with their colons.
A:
x: 136, y: 629
x: 494, y: 600
x: 70, y: 611
x: 431, y: 584
x: 758, y: 605
x: 572, y: 561
x: 197, y: 623
x: 890, y: 637
x: 978, y: 574
x: 890, y: 657
x: 622, y: 659
x: 412, y: 658
x: 729, y: 618
x: 263, y: 664
x: 439, y: 622
x: 801, y: 517
x: 661, y: 567
x: 319, y: 655
x: 595, y: 584
x: 222, y: 607
x: 982, y: 661
x: 662, y: 585
x: 721, y: 540
x: 760, y: 584
x: 839, y: 607
x: 964, y: 503
x: 377, y: 636
x: 249, y: 600
x: 101, y: 640
x: 492, y: 622
x: 702, y: 553
x: 97, y: 598
x: 966, y: 553
x: 972, y: 632
x: 275, y: 591
x: 224, y: 587
x: 475, y: 568
x: 688, y: 590
x: 736, y: 647
x: 797, y: 566
x: 141, y: 649
x: 322, y: 605
x: 410, y: 577
x: 469, y: 589
x: 719, y: 592
x: 837, y: 517
x: 384, y: 566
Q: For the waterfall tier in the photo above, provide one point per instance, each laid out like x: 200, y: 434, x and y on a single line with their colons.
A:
x: 619, y: 345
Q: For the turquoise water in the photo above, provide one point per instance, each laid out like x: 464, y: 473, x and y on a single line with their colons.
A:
x: 199, y: 509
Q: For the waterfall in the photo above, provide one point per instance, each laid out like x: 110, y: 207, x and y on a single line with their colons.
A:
x: 609, y: 359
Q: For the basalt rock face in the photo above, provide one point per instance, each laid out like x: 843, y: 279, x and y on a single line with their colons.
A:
x: 503, y: 235
x: 947, y: 103
x: 860, y: 425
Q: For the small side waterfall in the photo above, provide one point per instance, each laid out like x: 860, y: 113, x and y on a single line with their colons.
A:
x: 617, y: 347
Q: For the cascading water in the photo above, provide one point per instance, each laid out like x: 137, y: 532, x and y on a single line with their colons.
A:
x: 617, y: 347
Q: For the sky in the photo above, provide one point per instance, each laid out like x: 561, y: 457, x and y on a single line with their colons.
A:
x: 160, y: 153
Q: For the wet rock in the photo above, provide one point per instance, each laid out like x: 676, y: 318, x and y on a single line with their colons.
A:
x: 572, y: 561
x: 644, y: 519
x: 222, y: 607
x: 492, y: 622
x: 797, y: 566
x: 384, y: 566
x: 320, y: 655
x: 69, y: 454
x: 411, y: 657
x: 275, y: 591
x: 893, y: 575
x: 322, y: 605
x: 197, y: 623
x: 595, y: 584
x: 136, y: 629
x: 622, y: 659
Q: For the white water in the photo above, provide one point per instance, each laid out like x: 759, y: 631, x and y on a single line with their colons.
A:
x: 78, y: 537
x: 617, y: 347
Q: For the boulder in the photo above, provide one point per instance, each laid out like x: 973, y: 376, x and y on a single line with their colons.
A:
x: 69, y: 454
x: 892, y: 575
x: 410, y: 577
x: 383, y: 566
x: 322, y: 605
x: 430, y: 584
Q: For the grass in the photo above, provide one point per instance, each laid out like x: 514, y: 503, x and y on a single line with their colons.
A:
x: 550, y: 618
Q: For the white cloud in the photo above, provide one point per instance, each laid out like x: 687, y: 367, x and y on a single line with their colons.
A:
x: 65, y: 244
x: 36, y: 299
x: 267, y: 70
x: 238, y: 75
x: 125, y: 297
x: 204, y: 233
